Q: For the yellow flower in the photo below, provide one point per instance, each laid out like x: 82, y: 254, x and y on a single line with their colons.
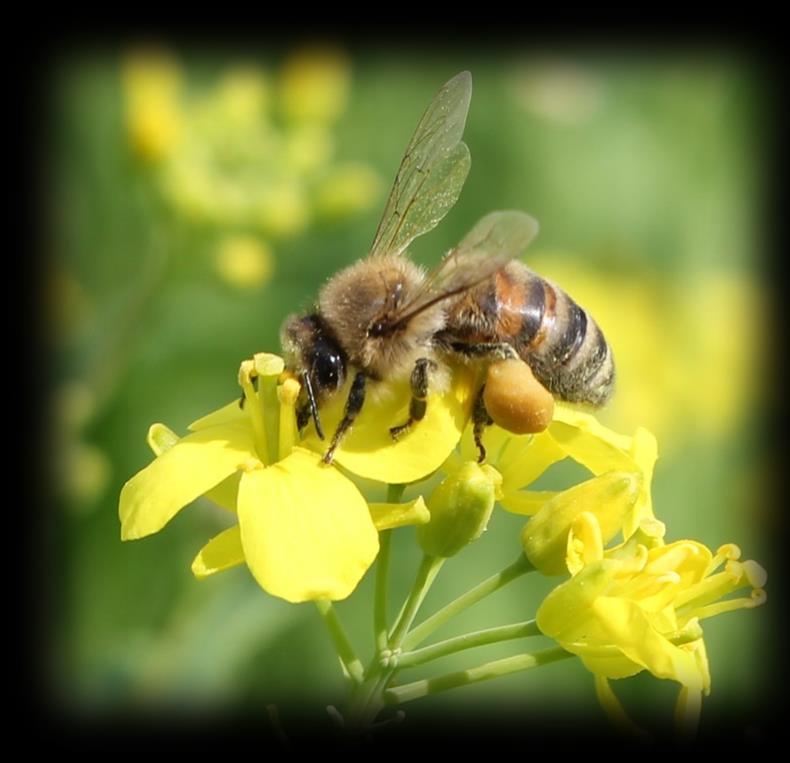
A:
x: 626, y: 613
x: 304, y: 529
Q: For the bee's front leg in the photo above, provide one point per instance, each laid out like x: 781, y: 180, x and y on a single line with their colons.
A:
x: 420, y: 381
x: 356, y: 399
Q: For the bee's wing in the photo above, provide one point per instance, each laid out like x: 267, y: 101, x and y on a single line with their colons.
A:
x: 496, y: 239
x: 432, y: 172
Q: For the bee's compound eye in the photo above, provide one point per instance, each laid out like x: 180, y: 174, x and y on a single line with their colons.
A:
x: 328, y: 369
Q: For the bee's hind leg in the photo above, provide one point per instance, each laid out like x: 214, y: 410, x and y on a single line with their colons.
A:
x: 420, y: 382
x: 480, y: 420
x: 356, y: 399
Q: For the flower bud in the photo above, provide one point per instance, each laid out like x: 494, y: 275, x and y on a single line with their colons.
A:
x: 608, y: 498
x: 460, y: 508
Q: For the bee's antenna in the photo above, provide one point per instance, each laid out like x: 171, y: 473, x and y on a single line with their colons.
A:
x: 313, y: 407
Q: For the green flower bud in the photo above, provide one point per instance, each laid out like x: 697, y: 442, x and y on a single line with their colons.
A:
x: 460, y: 508
x: 609, y: 497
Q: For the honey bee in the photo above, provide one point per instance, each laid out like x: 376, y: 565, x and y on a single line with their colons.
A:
x: 385, y: 319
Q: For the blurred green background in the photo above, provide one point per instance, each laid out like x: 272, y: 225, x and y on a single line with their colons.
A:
x: 198, y: 197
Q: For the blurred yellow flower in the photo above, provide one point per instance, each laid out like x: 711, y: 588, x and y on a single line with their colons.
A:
x: 557, y: 90
x: 244, y: 261
x: 345, y: 190
x: 86, y: 472
x: 248, y: 152
x: 308, y: 147
x: 314, y: 85
x: 281, y: 208
x: 154, y: 121
x: 243, y: 94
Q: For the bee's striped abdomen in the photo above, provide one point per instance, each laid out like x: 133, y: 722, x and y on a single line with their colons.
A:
x: 557, y: 338
x: 568, y: 354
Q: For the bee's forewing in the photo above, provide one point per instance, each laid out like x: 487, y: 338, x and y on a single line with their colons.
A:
x: 432, y: 172
x: 496, y: 239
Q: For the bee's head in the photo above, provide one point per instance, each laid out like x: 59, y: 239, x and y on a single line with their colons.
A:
x: 314, y: 355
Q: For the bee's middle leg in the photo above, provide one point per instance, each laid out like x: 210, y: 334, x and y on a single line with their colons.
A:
x: 420, y: 382
x: 356, y: 399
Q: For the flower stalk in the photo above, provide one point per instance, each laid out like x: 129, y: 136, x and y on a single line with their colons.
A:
x: 468, y: 641
x: 352, y: 666
x: 479, y: 592
x: 485, y: 672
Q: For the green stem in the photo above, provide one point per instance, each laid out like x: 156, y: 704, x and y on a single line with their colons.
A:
x: 485, y: 672
x: 468, y: 641
x: 367, y: 700
x: 394, y: 494
x: 472, y: 596
x: 380, y: 601
x: 342, y: 645
x: 429, y: 569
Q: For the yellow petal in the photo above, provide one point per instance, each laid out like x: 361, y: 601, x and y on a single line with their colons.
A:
x: 644, y: 451
x: 590, y: 443
x: 609, y: 497
x: 305, y: 528
x: 564, y: 613
x: 521, y: 466
x: 566, y: 414
x: 629, y: 628
x: 228, y: 414
x: 387, y: 516
x: 220, y: 553
x: 608, y: 662
x: 369, y: 450
x: 527, y: 502
x: 496, y: 441
x: 161, y: 438
x: 194, y: 465
x: 585, y: 543
x: 226, y: 493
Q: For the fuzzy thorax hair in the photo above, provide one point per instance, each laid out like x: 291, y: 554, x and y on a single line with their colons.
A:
x: 373, y: 290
